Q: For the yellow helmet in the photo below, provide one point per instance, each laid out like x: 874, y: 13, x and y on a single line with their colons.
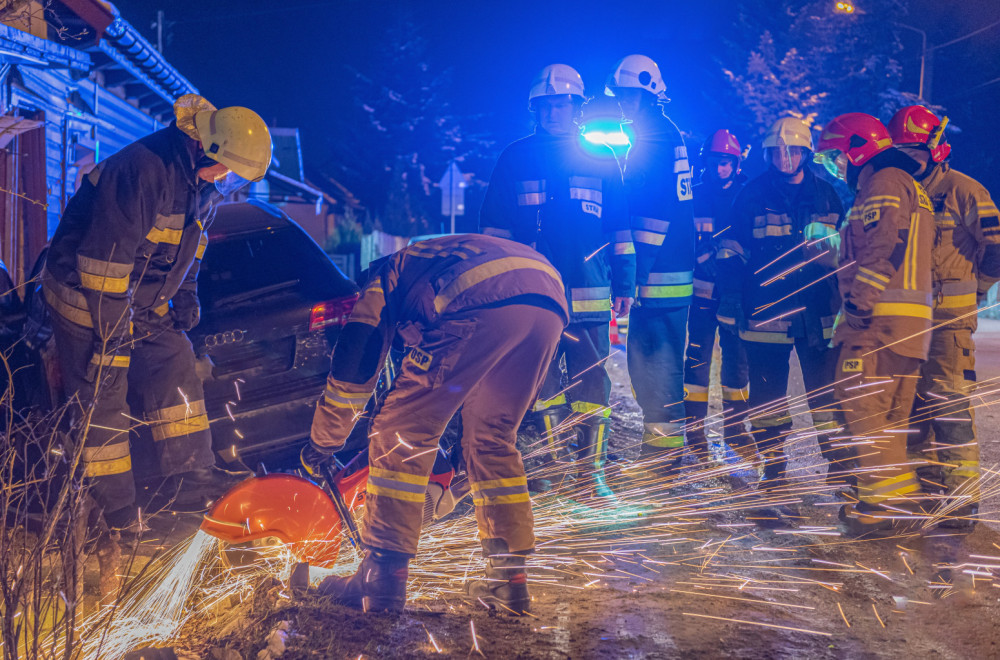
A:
x: 789, y: 132
x: 236, y: 137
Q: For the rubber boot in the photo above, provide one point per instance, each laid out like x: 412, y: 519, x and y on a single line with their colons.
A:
x: 196, y: 490
x: 591, y: 457
x: 696, y: 439
x: 866, y: 520
x: 378, y: 586
x: 840, y: 466
x: 556, y: 434
x: 772, y: 483
x: 505, y: 587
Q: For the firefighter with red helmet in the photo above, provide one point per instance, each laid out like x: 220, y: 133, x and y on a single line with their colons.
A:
x: 547, y: 191
x: 721, y: 181
x: 481, y: 317
x: 659, y: 188
x: 775, y: 264
x: 884, y: 330
x: 966, y: 264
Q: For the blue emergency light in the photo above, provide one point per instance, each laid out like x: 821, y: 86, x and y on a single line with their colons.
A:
x: 607, y: 133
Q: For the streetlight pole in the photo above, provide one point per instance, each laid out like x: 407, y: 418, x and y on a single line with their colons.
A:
x: 924, y: 55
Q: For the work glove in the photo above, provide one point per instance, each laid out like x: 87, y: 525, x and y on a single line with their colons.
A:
x: 313, y: 458
x: 185, y: 311
x: 730, y: 313
x: 856, y: 318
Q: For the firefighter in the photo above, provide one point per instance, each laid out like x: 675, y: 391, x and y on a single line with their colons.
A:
x: 966, y: 264
x: 659, y: 189
x: 548, y: 192
x: 481, y: 318
x: 120, y: 283
x: 721, y: 181
x: 884, y: 331
x: 775, y: 262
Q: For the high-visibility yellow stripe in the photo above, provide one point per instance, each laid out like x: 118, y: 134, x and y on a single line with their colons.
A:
x: 404, y: 477
x: 602, y: 305
x: 105, y: 360
x: 382, y: 491
x: 674, y: 291
x: 735, y: 393
x: 500, y: 483
x: 107, y: 468
x: 515, y: 498
x: 697, y: 396
x: 202, y: 245
x: 64, y: 309
x: 168, y: 236
x: 766, y: 337
x: 772, y: 230
x: 664, y: 441
x: 624, y: 248
x: 586, y: 408
x: 104, y: 284
x: 903, y: 309
x: 166, y: 430
x: 952, y: 302
x: 870, y: 282
x: 542, y: 404
x: 647, y: 237
x: 485, y: 271
x: 874, y: 275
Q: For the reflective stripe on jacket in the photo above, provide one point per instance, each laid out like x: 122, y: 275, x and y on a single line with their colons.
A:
x: 711, y: 221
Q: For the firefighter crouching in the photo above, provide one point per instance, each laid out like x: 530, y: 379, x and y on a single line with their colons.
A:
x: 120, y: 282
x: 658, y: 186
x: 721, y: 181
x: 775, y: 264
x: 884, y: 332
x: 481, y: 317
x: 548, y: 192
x: 966, y: 263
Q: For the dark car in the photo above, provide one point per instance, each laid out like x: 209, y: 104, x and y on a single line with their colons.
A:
x: 272, y: 305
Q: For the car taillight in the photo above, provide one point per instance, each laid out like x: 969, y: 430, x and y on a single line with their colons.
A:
x: 331, y: 312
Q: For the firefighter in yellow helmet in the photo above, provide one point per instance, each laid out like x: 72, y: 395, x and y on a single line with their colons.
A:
x: 481, y: 317
x: 966, y: 264
x: 120, y: 282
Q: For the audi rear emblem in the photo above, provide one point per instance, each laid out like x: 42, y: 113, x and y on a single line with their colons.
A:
x: 227, y: 337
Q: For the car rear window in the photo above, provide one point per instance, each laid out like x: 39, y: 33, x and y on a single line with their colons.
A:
x: 270, y: 262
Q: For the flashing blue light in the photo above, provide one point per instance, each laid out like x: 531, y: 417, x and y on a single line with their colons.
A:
x: 607, y: 133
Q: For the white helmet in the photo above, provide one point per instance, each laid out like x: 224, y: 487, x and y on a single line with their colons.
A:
x: 789, y: 132
x: 639, y: 72
x: 557, y: 80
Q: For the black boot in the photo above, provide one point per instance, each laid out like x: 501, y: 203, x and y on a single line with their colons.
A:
x: 195, y: 491
x: 505, y: 588
x: 591, y: 457
x: 378, y: 586
x: 557, y: 435
x: 841, y: 465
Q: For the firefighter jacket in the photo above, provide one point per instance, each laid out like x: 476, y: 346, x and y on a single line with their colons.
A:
x: 967, y: 249
x: 659, y: 187
x: 711, y: 217
x: 129, y: 244
x: 777, y: 257
x: 551, y: 194
x: 886, y: 256
x: 416, y: 288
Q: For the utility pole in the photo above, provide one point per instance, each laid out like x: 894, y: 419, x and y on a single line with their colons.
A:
x: 159, y: 31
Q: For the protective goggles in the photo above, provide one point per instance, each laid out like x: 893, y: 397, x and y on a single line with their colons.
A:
x: 229, y: 183
x: 833, y: 161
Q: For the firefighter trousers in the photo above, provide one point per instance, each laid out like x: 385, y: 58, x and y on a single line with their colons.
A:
x: 158, y: 371
x: 942, y: 410
x: 576, y: 376
x: 875, y: 392
x: 656, y: 338
x: 491, y: 364
x: 770, y: 417
x: 702, y: 327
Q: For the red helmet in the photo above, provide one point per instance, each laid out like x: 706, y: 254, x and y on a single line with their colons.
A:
x: 856, y: 136
x: 722, y: 143
x: 915, y: 124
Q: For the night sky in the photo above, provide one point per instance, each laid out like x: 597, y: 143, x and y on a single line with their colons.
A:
x: 287, y: 60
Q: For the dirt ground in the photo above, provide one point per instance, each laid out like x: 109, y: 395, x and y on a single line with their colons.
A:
x: 678, y: 572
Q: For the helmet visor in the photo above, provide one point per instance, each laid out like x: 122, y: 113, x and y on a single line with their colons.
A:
x: 833, y: 161
x: 229, y: 183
